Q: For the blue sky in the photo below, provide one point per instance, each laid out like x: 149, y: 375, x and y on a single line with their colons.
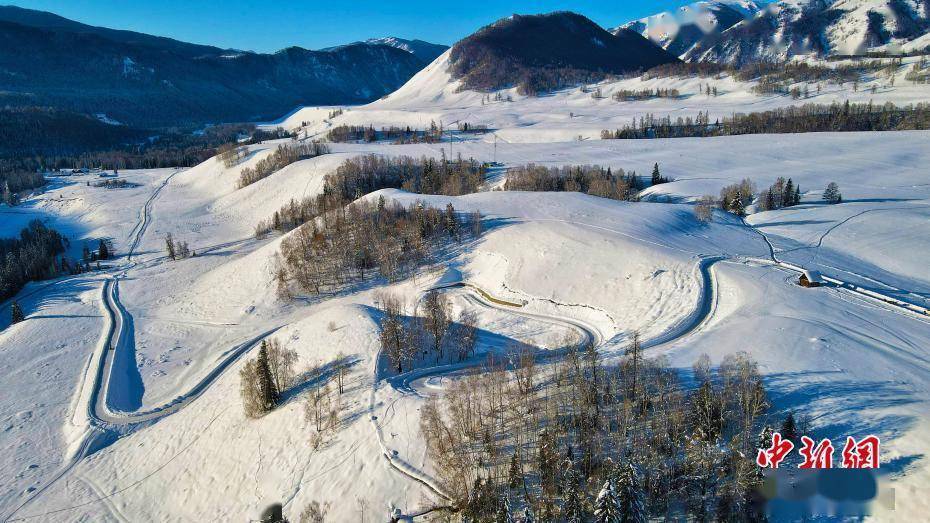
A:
x: 272, y: 25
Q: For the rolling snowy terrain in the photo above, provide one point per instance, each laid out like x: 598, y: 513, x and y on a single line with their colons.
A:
x: 122, y: 389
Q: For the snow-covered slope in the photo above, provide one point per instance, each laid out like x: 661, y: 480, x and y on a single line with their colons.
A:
x: 679, y: 30
x: 789, y: 28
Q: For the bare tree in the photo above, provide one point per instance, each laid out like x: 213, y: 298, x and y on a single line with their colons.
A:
x: 393, y: 334
x: 282, y: 363
x: 437, y: 310
x: 466, y: 334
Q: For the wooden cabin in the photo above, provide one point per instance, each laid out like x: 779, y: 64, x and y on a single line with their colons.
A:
x: 810, y: 279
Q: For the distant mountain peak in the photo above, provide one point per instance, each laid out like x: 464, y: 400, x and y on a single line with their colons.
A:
x: 538, y: 53
x: 679, y: 30
x: 789, y: 28
x: 426, y: 52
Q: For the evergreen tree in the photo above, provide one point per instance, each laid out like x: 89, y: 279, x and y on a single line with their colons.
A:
x: 572, y: 510
x: 607, y: 504
x: 630, y: 495
x: 789, y: 429
x: 103, y: 252
x: 656, y: 177
x: 797, y: 194
x: 515, y: 476
x: 265, y: 381
x: 736, y: 206
x: 503, y: 511
x: 170, y: 247
x: 788, y: 197
x: 765, y: 438
x: 452, y: 223
x: 16, y: 313
x: 832, y: 193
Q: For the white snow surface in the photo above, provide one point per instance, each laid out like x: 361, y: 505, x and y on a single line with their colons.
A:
x: 578, y: 266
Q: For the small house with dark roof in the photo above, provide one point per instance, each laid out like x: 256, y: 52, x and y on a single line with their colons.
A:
x: 810, y: 278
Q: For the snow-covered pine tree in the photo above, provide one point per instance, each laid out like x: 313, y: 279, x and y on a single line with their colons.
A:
x: 656, y: 176
x: 736, y: 206
x: 788, y: 198
x: 789, y: 429
x: 630, y: 495
x: 16, y: 313
x: 515, y: 475
x: 607, y: 504
x: 797, y: 194
x: 503, y: 510
x: 103, y: 253
x: 572, y: 510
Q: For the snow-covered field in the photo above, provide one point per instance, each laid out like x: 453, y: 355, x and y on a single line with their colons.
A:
x: 162, y: 436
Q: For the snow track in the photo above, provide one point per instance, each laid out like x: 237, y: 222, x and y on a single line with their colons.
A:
x: 103, y: 424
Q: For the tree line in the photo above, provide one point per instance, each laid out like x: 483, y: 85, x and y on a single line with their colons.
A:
x: 808, y: 118
x: 774, y: 73
x: 398, y: 135
x: 36, y: 255
x: 361, y: 175
x: 736, y: 198
x: 578, y: 440
x: 362, y: 239
x: 624, y: 95
x: 284, y: 155
x: 589, y: 179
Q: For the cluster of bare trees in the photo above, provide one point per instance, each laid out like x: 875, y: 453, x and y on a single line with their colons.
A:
x: 425, y: 175
x: 283, y: 156
x: 362, y: 175
x: 807, y: 118
x: 624, y: 95
x: 355, y: 241
x: 264, y: 379
x: 429, y: 331
x: 231, y: 154
x: 550, y: 437
x: 589, y: 179
x: 361, y: 133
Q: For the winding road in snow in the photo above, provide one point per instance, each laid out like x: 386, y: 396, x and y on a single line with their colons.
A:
x: 105, y: 424
x: 422, y: 382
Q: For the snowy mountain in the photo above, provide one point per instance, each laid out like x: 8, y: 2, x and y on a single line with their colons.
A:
x: 679, y: 30
x: 425, y: 51
x: 150, y: 81
x: 540, y: 53
x: 819, y: 27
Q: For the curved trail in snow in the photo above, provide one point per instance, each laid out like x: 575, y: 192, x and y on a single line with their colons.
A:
x: 103, y: 424
x: 413, y: 382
